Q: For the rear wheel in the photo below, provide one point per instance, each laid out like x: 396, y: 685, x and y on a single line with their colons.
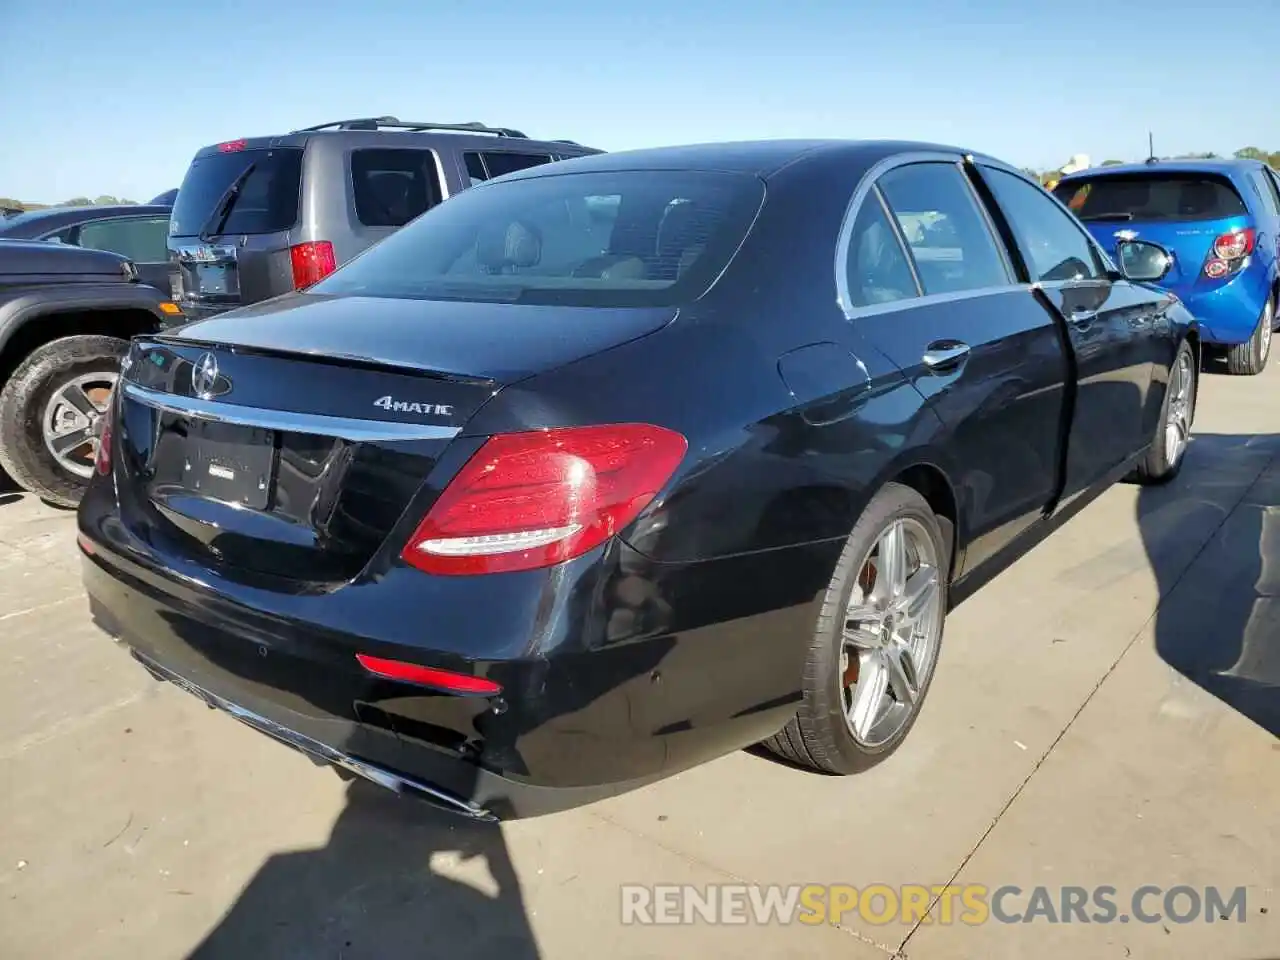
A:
x: 876, y: 641
x: 1250, y: 358
x: 50, y: 411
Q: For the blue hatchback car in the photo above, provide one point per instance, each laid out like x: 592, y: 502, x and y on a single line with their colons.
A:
x: 1221, y: 221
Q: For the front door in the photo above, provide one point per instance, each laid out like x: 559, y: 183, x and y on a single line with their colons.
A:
x: 1110, y: 324
x: 930, y: 285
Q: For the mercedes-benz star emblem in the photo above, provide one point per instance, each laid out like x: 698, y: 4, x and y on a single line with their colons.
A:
x: 204, y: 376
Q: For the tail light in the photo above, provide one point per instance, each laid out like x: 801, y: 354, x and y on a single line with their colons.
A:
x: 1229, y: 252
x: 106, y: 437
x: 427, y: 676
x: 312, y: 262
x: 233, y: 146
x: 530, y: 500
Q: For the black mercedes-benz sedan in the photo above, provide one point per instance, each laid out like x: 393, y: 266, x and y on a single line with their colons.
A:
x: 606, y: 468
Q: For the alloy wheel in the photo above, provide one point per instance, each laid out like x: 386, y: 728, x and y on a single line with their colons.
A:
x: 892, y: 629
x: 1177, y: 424
x: 72, y: 420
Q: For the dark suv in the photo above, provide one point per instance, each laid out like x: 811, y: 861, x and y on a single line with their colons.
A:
x: 255, y: 218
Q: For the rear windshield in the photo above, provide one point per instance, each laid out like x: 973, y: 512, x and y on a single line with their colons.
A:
x: 267, y: 201
x: 1151, y: 196
x: 623, y: 238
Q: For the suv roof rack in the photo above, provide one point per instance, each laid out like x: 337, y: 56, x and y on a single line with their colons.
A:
x: 380, y: 123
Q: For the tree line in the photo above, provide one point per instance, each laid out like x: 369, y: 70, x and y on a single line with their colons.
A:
x: 106, y: 200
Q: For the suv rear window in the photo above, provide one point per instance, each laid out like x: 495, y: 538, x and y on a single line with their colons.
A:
x: 622, y: 238
x: 1151, y: 196
x: 267, y: 201
x: 393, y: 186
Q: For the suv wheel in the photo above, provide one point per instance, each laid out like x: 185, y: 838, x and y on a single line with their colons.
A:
x: 49, y: 415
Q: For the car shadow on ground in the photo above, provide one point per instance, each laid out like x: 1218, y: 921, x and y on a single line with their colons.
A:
x: 9, y: 491
x: 376, y: 889
x: 1221, y: 627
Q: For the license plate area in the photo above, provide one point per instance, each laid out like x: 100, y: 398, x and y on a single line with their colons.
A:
x: 216, y: 280
x: 220, y: 461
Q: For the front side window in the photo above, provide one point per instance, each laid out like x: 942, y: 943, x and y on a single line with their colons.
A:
x: 141, y: 239
x: 951, y: 245
x: 392, y: 187
x: 1053, y: 245
x: 623, y: 238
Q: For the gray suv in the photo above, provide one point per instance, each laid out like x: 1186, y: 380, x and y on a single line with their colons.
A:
x: 255, y: 218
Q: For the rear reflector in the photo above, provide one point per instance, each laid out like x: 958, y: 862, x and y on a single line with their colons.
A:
x: 531, y: 500
x: 427, y: 676
x: 312, y: 262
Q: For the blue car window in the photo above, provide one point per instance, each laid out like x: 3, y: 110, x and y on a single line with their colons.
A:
x: 1266, y: 192
x: 950, y: 242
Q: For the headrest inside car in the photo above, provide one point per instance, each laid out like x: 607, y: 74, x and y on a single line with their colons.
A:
x: 513, y: 244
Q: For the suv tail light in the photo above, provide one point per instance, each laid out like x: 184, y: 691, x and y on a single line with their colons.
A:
x: 530, y: 500
x: 1229, y: 252
x: 106, y: 437
x: 312, y: 262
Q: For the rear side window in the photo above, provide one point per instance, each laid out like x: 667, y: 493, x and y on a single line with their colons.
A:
x: 1267, y: 191
x: 876, y: 269
x: 265, y: 198
x: 1151, y: 197
x: 1053, y: 245
x: 951, y: 245
x: 141, y: 239
x: 495, y: 163
x: 623, y: 238
x: 392, y: 187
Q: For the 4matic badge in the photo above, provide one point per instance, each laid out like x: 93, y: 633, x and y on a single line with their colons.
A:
x: 406, y: 406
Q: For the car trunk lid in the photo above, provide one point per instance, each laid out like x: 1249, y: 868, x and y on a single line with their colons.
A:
x: 283, y: 443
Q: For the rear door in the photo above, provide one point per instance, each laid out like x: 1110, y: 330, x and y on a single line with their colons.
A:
x: 229, y: 232
x: 928, y: 282
x: 1113, y: 327
x: 482, y: 165
x: 1268, y: 246
x: 141, y: 239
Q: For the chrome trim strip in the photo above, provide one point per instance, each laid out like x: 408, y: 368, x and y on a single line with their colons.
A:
x: 321, y: 751
x: 345, y: 428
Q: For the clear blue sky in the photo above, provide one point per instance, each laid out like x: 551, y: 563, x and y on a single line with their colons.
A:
x: 100, y: 97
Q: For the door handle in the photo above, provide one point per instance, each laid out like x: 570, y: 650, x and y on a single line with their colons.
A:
x: 944, y: 355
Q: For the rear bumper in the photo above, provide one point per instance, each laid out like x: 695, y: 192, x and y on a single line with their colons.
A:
x: 1229, y: 313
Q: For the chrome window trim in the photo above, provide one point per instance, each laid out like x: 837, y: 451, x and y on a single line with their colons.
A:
x: 344, y: 428
x: 869, y: 183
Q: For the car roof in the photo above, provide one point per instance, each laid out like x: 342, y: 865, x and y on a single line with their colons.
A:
x: 51, y: 218
x: 1220, y: 166
x: 762, y: 158
x: 382, y: 133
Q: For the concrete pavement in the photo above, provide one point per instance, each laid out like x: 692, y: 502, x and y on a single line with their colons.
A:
x: 1106, y: 713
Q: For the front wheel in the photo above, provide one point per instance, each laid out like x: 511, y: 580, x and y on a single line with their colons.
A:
x: 876, y: 641
x: 50, y: 411
x: 1173, y: 432
x: 1250, y: 358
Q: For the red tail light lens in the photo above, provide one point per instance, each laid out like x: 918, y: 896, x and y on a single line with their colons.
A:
x: 427, y: 676
x: 106, y: 437
x: 530, y: 500
x: 1234, y: 245
x: 232, y: 146
x: 1229, y: 251
x: 312, y: 262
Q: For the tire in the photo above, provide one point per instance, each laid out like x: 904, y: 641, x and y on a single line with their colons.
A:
x: 1165, y: 456
x: 1250, y: 358
x: 25, y: 404
x: 821, y: 736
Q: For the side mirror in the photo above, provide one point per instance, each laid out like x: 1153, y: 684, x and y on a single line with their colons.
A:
x: 1142, y: 261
